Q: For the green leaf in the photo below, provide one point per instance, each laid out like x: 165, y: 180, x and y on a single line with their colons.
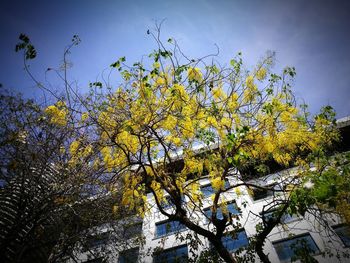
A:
x: 126, y: 75
x: 24, y: 38
x: 115, y: 64
x: 31, y: 52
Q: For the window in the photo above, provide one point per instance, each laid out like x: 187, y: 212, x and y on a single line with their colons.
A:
x: 167, y: 227
x: 208, y: 190
x: 96, y: 241
x: 129, y: 256
x: 291, y: 248
x: 133, y: 230
x: 232, y: 243
x: 286, y: 218
x: 259, y: 193
x: 231, y: 207
x: 343, y: 231
x: 173, y: 255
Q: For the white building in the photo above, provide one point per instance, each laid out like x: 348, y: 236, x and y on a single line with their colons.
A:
x: 170, y: 237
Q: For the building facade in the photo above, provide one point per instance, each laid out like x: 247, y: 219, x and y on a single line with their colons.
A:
x: 156, y: 239
x: 169, y: 237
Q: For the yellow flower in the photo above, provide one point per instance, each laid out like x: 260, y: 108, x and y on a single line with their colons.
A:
x: 218, y: 93
x: 84, y: 116
x: 226, y: 122
x: 261, y: 73
x: 233, y: 102
x: 155, y: 185
x: 174, y: 140
x: 149, y: 171
x: 249, y: 81
x: 188, y: 129
x: 107, y: 158
x: 192, y: 166
x: 212, y: 121
x: 87, y: 151
x: 250, y: 91
x: 170, y: 122
x: 74, y: 146
x: 269, y: 146
x: 217, y: 183
x: 130, y: 141
x: 51, y: 109
x: 160, y: 81
x: 181, y: 92
x: 57, y: 113
x: 156, y: 65
x: 194, y: 74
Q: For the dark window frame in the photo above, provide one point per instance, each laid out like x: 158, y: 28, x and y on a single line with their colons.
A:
x: 264, y: 193
x: 168, y: 230
x: 208, y: 193
x: 285, y: 219
x: 230, y: 239
x: 96, y: 241
x: 289, y: 243
x: 157, y: 257
x: 129, y: 253
x: 207, y: 211
x: 227, y: 240
x: 345, y: 239
x: 132, y: 230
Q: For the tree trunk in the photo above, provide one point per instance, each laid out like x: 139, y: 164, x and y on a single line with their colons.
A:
x: 261, y: 237
x: 215, y: 240
x: 222, y: 251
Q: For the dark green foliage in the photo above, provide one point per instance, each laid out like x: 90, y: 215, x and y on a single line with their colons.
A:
x: 29, y: 50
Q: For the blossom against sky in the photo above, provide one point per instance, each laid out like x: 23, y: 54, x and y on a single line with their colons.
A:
x: 311, y: 35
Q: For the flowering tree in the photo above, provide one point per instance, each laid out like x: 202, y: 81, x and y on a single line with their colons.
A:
x: 173, y: 121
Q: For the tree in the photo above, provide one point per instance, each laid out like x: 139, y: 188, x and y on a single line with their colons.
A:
x: 173, y: 121
x: 46, y: 203
x: 179, y: 120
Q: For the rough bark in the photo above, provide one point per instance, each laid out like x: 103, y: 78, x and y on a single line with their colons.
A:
x: 261, y: 237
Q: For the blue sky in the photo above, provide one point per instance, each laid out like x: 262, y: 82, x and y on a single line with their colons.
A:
x: 312, y: 35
